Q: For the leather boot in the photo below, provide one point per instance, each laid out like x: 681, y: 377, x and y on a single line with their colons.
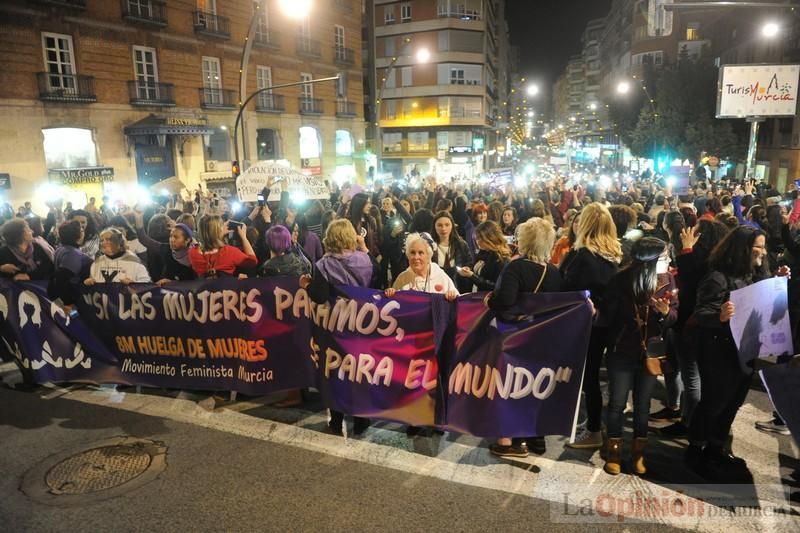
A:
x: 639, y: 445
x: 613, y: 456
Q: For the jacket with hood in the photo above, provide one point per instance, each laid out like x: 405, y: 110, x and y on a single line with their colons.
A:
x: 351, y: 268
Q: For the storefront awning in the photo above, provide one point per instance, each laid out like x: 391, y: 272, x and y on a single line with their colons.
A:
x: 154, y: 125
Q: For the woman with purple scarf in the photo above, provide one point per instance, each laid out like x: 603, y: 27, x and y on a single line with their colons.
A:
x: 346, y: 262
x: 23, y: 259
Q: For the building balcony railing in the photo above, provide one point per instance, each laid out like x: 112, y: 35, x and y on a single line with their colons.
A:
x: 151, y: 93
x: 344, y: 5
x: 212, y: 25
x: 145, y: 11
x: 308, y: 47
x: 66, y: 88
x: 345, y: 109
x: 404, y: 148
x: 310, y: 106
x: 75, y: 4
x: 463, y: 15
x: 344, y: 56
x: 268, y: 39
x: 270, y: 103
x: 212, y: 98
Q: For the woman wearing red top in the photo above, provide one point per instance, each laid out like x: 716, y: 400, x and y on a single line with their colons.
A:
x: 213, y: 257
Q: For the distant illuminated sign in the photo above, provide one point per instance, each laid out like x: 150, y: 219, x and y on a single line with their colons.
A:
x: 477, y: 144
x: 74, y: 176
x: 460, y: 150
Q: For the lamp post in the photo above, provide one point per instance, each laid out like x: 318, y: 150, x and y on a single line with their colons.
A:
x: 296, y: 9
x: 624, y: 87
x: 423, y: 56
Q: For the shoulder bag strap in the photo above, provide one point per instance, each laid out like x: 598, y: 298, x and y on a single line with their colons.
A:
x: 541, y: 279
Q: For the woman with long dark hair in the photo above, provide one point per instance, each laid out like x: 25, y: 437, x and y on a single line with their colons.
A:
x: 451, y: 251
x: 736, y: 262
x: 364, y: 224
x: 638, y: 308
x: 509, y: 221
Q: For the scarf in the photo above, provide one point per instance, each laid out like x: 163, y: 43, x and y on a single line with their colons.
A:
x: 181, y: 256
x: 25, y: 258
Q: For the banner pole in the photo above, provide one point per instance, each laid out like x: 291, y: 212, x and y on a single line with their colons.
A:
x: 750, y: 169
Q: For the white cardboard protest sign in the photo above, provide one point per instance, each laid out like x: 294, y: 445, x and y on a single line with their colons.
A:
x: 252, y: 181
x: 760, y: 324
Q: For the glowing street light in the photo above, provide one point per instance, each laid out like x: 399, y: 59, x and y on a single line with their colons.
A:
x: 295, y: 9
x: 532, y: 90
x: 531, y: 113
x: 770, y: 30
x: 623, y: 87
x: 423, y: 55
x: 593, y: 106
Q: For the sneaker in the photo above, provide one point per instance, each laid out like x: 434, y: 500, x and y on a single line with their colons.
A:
x: 499, y: 450
x: 772, y: 426
x: 667, y: 413
x: 675, y: 431
x: 588, y: 440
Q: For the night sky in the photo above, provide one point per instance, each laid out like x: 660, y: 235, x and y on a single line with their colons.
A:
x: 548, y: 32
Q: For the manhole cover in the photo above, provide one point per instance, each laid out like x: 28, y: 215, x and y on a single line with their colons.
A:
x: 98, y: 469
x: 95, y: 472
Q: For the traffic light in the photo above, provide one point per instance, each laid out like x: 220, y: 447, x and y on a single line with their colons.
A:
x: 235, y: 169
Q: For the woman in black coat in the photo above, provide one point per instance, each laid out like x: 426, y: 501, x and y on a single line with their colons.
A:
x: 493, y: 255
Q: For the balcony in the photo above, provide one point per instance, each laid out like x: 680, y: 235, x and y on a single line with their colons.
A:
x: 212, y: 98
x: 211, y: 25
x: 152, y: 12
x: 345, y: 109
x: 267, y: 39
x: 344, y: 56
x: 270, y: 103
x: 74, y: 4
x: 66, y: 88
x: 308, y: 47
x: 151, y: 93
x: 469, y: 14
x: 310, y: 106
x: 345, y: 6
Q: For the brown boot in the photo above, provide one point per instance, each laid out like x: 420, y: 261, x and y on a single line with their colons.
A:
x: 613, y: 456
x: 639, y: 445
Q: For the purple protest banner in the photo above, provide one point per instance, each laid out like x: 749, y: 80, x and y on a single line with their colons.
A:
x: 48, y: 344
x: 518, y: 379
x: 219, y: 334
x: 376, y: 356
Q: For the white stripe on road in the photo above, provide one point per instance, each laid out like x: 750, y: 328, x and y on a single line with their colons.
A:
x: 444, y: 459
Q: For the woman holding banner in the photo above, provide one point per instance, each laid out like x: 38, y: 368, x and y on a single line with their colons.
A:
x: 739, y: 260
x: 23, y: 259
x: 346, y: 262
x: 530, y: 273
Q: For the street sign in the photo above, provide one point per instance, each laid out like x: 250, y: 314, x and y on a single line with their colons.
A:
x: 757, y: 91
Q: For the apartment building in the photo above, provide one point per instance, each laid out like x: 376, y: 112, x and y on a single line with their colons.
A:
x: 100, y: 95
x: 437, y: 66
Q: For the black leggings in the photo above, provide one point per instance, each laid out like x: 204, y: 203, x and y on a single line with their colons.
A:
x: 724, y: 387
x: 591, y: 379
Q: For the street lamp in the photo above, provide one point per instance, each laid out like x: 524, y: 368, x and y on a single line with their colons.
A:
x: 423, y: 55
x: 532, y: 89
x: 770, y: 30
x: 623, y: 87
x: 295, y: 9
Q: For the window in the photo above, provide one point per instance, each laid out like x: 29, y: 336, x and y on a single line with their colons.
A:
x: 59, y: 61
x: 388, y: 15
x: 693, y: 31
x: 392, y: 142
x: 648, y: 58
x: 305, y: 28
x: 209, y: 6
x: 418, y: 141
x: 344, y: 143
x: 405, y: 12
x: 406, y: 77
x: 338, y: 41
x: 388, y: 46
x: 267, y: 140
x: 457, y: 76
x: 262, y: 27
x: 307, y: 89
x: 141, y: 8
x: 69, y: 148
x: 212, y: 81
x: 264, y: 80
x: 217, y: 145
x: 146, y: 72
x: 309, y: 143
x: 391, y: 109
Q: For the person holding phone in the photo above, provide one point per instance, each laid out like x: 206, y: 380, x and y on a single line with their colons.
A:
x: 493, y: 255
x: 214, y: 258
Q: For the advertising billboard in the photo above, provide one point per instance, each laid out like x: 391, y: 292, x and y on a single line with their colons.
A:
x: 757, y: 91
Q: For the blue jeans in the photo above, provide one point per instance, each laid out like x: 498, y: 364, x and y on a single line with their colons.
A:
x: 686, y: 351
x: 626, y: 372
x: 672, y: 380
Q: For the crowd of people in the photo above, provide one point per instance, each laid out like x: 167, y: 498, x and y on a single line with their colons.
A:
x: 659, y: 267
